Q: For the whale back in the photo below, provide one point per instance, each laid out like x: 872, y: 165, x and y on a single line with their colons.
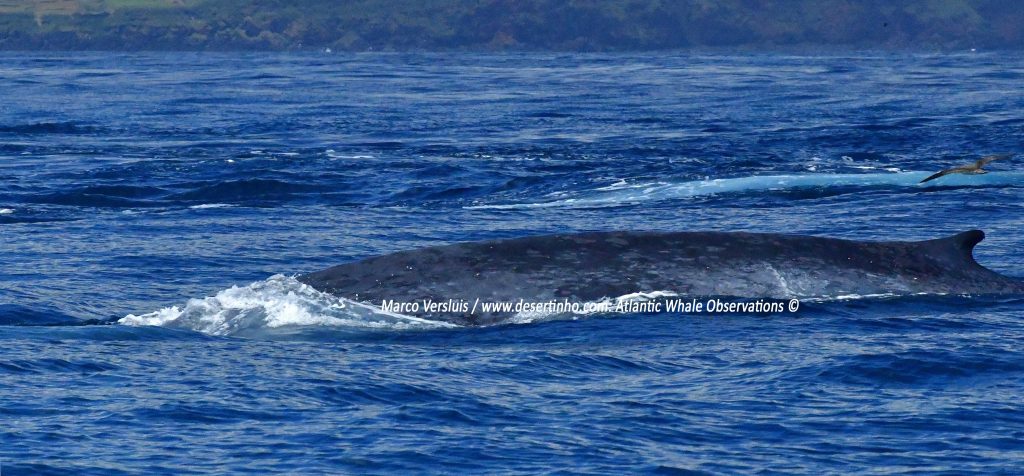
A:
x: 591, y: 266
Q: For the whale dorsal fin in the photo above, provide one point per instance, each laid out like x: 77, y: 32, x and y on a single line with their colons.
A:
x: 962, y: 244
x: 967, y: 240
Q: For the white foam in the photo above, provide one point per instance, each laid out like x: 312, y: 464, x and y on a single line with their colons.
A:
x: 860, y: 297
x: 279, y: 301
x: 6, y: 211
x: 334, y: 155
x: 210, y: 205
x: 783, y: 284
x: 618, y: 193
x: 589, y: 308
x: 284, y: 302
x: 622, y: 183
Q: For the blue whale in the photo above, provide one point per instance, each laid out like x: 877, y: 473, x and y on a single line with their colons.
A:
x: 588, y: 267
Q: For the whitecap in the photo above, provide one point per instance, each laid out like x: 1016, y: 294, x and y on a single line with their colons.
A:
x: 6, y: 211
x: 334, y: 155
x: 210, y: 205
x: 279, y: 301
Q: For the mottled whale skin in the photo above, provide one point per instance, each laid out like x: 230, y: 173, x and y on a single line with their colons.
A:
x: 587, y: 267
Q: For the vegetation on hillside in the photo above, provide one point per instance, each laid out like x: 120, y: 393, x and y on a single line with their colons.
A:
x: 507, y: 24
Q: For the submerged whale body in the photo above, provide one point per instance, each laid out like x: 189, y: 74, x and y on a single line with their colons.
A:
x: 587, y: 267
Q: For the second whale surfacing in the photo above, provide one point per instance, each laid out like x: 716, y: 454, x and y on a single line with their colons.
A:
x: 588, y: 267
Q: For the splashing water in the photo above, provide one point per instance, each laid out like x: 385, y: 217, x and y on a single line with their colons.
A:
x: 277, y: 302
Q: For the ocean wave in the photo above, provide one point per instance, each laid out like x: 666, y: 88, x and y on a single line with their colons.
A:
x: 102, y: 196
x: 35, y: 315
x: 47, y: 128
x: 34, y: 215
x: 915, y: 366
x: 623, y: 192
x: 283, y: 302
x: 54, y: 365
x: 277, y: 302
x: 206, y: 206
x: 246, y: 190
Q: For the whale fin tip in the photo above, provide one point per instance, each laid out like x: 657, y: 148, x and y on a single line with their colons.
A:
x: 966, y: 241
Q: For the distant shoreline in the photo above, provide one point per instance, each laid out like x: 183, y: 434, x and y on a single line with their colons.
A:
x: 507, y: 25
x: 810, y: 52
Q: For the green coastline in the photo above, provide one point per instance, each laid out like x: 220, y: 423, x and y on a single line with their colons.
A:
x: 496, y: 25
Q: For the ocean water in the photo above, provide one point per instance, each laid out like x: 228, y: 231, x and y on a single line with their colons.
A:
x: 155, y: 208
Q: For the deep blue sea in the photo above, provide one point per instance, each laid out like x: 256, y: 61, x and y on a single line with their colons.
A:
x: 139, y: 188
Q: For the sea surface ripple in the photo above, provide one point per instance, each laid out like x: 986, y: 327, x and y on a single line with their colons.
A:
x: 185, y: 190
